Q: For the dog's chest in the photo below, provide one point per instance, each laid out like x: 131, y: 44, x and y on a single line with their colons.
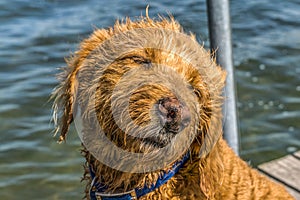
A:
x: 185, y: 185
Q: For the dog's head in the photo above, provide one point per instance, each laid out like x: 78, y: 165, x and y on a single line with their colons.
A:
x: 144, y: 87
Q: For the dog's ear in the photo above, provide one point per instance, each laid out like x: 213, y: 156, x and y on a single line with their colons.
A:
x: 64, y: 93
x: 63, y: 96
x: 212, y: 130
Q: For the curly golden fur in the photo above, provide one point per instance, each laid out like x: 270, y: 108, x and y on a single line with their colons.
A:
x: 213, y: 170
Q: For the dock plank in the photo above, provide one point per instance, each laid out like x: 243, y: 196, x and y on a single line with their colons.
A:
x: 285, y: 170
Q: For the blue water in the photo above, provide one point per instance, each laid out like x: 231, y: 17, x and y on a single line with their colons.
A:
x: 35, y: 36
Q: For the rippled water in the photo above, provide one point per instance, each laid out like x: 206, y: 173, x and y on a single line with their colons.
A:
x: 35, y: 36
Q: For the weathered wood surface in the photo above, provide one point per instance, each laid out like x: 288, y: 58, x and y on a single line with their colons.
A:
x: 285, y: 170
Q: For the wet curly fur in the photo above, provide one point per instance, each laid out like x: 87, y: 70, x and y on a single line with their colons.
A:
x: 213, y: 173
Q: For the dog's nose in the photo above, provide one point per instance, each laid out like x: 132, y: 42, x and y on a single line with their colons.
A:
x: 172, y: 111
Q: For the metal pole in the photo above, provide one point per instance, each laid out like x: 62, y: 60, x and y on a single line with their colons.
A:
x: 220, y: 40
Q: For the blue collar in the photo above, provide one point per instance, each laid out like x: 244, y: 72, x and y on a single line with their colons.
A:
x: 97, y: 189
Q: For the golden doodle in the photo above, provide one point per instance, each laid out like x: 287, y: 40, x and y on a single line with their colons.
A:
x: 146, y: 100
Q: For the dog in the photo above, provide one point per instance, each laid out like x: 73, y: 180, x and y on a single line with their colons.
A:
x: 146, y: 99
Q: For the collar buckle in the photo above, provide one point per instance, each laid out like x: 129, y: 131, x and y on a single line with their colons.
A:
x: 100, y: 196
x: 130, y: 194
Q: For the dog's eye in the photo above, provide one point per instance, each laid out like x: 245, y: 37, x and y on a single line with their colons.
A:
x: 141, y: 60
x: 198, y: 93
x: 190, y: 87
x: 137, y: 59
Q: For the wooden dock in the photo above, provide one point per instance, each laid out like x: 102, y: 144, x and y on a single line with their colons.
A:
x: 285, y: 170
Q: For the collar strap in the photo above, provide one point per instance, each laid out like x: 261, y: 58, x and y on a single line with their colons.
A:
x: 97, y: 188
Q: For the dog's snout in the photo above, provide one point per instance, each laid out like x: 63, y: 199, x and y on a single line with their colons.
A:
x: 168, y: 109
x: 172, y: 111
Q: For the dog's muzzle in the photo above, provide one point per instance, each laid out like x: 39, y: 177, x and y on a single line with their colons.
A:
x: 174, y: 115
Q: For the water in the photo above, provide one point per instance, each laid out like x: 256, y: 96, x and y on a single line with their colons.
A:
x: 35, y: 36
